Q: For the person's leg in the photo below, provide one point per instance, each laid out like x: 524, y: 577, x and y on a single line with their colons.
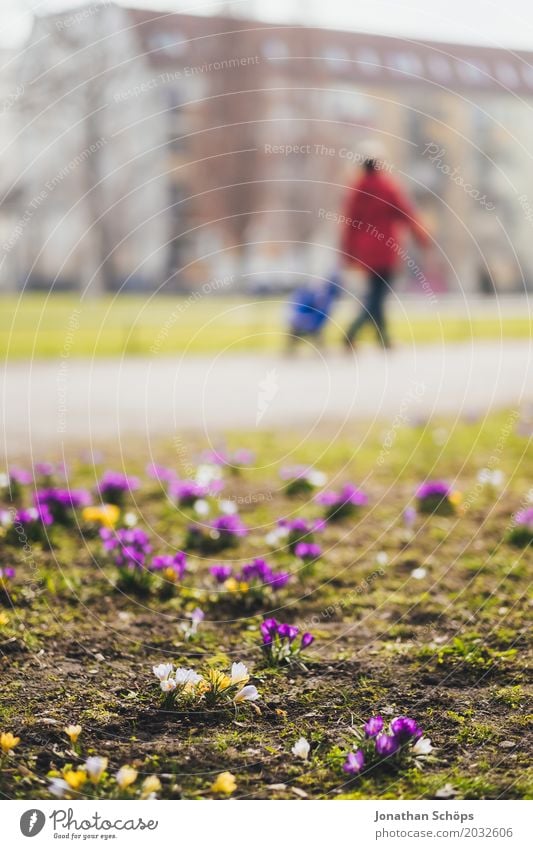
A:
x: 363, y: 316
x: 381, y: 283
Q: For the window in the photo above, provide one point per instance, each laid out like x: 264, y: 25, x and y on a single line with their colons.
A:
x: 369, y: 60
x: 439, y: 68
x: 407, y: 63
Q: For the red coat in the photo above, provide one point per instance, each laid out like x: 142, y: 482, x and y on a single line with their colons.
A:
x: 376, y: 213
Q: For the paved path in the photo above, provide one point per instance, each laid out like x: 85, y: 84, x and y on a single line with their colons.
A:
x: 47, y: 403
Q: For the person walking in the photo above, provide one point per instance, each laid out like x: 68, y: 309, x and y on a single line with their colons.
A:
x: 377, y: 210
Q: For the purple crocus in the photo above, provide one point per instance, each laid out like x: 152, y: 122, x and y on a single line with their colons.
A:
x: 20, y: 476
x: 6, y: 573
x: 307, y: 550
x: 289, y: 632
x: 307, y: 639
x: 524, y: 518
x: 373, y: 726
x: 130, y: 546
x: 172, y: 565
x: 404, y: 728
x: 230, y: 525
x: 386, y: 745
x: 342, y: 503
x: 433, y: 489
x: 114, y: 486
x: 186, y: 492
x: 269, y: 629
x: 354, y: 762
x: 61, y: 502
x: 220, y: 572
x: 160, y: 473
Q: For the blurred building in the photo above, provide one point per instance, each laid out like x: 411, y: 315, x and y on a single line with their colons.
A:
x: 182, y: 148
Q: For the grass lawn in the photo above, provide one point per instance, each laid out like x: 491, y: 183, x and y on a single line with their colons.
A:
x: 430, y: 622
x: 40, y: 326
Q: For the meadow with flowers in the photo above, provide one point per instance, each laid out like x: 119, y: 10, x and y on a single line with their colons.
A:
x: 345, y: 616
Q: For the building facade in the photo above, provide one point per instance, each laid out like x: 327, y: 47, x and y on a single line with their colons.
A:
x: 173, y: 149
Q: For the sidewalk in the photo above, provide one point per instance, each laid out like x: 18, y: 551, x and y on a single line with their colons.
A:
x: 46, y: 403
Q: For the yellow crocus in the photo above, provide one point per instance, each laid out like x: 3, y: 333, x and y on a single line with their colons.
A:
x: 224, y: 783
x: 106, y: 515
x: 75, y: 778
x: 8, y: 741
x: 218, y: 680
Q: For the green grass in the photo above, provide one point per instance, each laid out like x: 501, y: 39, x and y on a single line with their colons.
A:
x: 450, y: 649
x: 37, y: 325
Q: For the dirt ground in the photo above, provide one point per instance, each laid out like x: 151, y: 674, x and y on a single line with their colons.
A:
x: 449, y: 647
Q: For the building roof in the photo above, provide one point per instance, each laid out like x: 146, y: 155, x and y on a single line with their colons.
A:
x: 170, y: 38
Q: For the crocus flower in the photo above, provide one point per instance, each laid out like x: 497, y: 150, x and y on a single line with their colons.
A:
x: 162, y: 670
x: 386, y: 745
x: 172, y: 567
x: 524, y: 518
x: 239, y: 673
x: 289, y: 632
x: 403, y: 728
x: 307, y: 550
x: 75, y: 778
x: 167, y: 685
x: 61, y: 502
x: 186, y: 492
x: 307, y: 639
x: 224, y: 783
x: 301, y: 749
x: 8, y: 741
x: 73, y: 732
x: 269, y: 628
x: 95, y: 767
x: 247, y: 694
x: 220, y: 573
x: 126, y: 776
x: 354, y: 762
x: 160, y: 473
x: 150, y: 786
x: 58, y: 787
x: 186, y: 677
x: 114, y: 486
x: 433, y: 489
x: 422, y: 746
x: 373, y: 726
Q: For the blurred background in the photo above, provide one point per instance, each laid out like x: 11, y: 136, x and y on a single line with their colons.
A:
x: 163, y: 148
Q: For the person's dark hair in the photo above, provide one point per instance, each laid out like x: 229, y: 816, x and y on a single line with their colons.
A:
x: 370, y: 165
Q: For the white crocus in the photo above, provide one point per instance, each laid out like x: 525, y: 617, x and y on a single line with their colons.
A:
x: 228, y: 507
x: 239, y: 673
x: 207, y: 473
x: 130, y: 519
x: 187, y: 676
x: 247, y: 694
x: 316, y: 478
x: 95, y: 767
x: 167, y: 685
x: 201, y: 507
x: 423, y: 746
x: 58, y: 787
x: 162, y: 670
x: 301, y: 749
x: 418, y: 574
